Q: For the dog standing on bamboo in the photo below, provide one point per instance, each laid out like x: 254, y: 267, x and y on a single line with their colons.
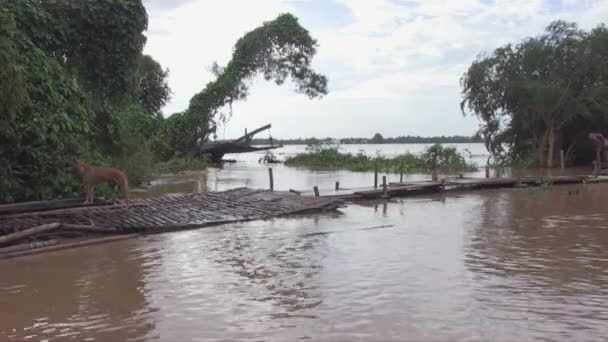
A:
x: 93, y: 175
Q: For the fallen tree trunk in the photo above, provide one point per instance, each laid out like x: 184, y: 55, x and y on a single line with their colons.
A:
x: 8, y: 238
x: 218, y: 150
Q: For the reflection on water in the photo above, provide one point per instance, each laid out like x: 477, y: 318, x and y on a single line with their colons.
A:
x: 498, y: 265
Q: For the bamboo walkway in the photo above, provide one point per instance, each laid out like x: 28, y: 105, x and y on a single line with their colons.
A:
x: 35, y: 225
x: 27, y: 228
x: 404, y: 189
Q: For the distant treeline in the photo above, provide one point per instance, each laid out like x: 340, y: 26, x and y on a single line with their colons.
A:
x: 376, y: 139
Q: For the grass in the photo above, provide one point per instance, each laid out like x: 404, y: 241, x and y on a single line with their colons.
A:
x: 330, y: 157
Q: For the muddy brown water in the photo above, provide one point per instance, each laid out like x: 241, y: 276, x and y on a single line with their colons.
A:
x: 528, y: 264
x: 492, y: 265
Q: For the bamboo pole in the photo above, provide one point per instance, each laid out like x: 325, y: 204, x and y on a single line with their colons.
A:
x: 337, y: 186
x: 384, y: 188
x: 487, y: 172
x: 28, y: 246
x: 316, y: 189
x: 92, y: 229
x: 67, y: 245
x: 8, y: 238
x: 401, y: 173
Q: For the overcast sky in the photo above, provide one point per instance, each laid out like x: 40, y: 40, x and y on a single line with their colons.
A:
x: 393, y: 65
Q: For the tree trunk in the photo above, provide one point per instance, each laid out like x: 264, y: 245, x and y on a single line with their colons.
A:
x: 8, y: 238
x: 551, y: 146
x: 540, y: 151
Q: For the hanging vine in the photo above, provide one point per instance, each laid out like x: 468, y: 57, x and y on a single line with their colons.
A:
x: 279, y: 49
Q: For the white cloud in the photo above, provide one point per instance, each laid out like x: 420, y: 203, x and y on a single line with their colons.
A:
x: 394, y: 69
x: 189, y: 38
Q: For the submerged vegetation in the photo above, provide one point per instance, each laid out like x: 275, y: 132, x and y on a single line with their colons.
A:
x: 75, y: 84
x: 329, y: 156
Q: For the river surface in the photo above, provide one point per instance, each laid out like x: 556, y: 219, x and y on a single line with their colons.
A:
x: 492, y: 265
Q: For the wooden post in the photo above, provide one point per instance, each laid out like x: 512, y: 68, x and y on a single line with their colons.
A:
x: 562, y: 162
x: 337, y: 186
x: 384, y: 186
x: 271, y: 179
x: 487, y: 172
x: 598, y: 161
x: 401, y: 175
x: 376, y: 175
x: 595, y: 173
x: 434, y: 175
x: 316, y: 189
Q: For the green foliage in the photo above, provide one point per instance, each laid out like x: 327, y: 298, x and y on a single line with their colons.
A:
x: 446, y: 159
x: 76, y: 85
x: 43, y: 119
x: 377, y: 139
x: 172, y: 137
x: 541, y: 95
x: 278, y: 49
x: 329, y: 156
x: 135, y: 156
x: 68, y: 71
x: 154, y: 92
x: 183, y: 162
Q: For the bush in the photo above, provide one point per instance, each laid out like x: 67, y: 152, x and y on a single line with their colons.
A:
x: 181, y: 162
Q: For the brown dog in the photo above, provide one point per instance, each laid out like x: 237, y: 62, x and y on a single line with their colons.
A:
x: 93, y: 175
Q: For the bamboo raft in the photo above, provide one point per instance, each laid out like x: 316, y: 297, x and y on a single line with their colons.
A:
x: 41, y: 226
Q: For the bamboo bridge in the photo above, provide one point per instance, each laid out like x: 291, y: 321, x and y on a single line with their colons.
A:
x: 35, y: 227
x: 42, y: 226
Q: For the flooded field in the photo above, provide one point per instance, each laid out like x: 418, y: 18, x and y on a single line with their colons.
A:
x: 499, y: 265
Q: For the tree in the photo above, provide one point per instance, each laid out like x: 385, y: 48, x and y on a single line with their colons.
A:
x: 539, y: 93
x: 154, y: 91
x: 278, y: 49
x: 65, y: 67
x: 377, y: 139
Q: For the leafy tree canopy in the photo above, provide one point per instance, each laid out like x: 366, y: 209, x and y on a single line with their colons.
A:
x: 63, y: 65
x: 543, y: 94
x: 278, y: 49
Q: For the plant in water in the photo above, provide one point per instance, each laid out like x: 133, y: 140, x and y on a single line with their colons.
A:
x: 183, y: 162
x: 330, y: 156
